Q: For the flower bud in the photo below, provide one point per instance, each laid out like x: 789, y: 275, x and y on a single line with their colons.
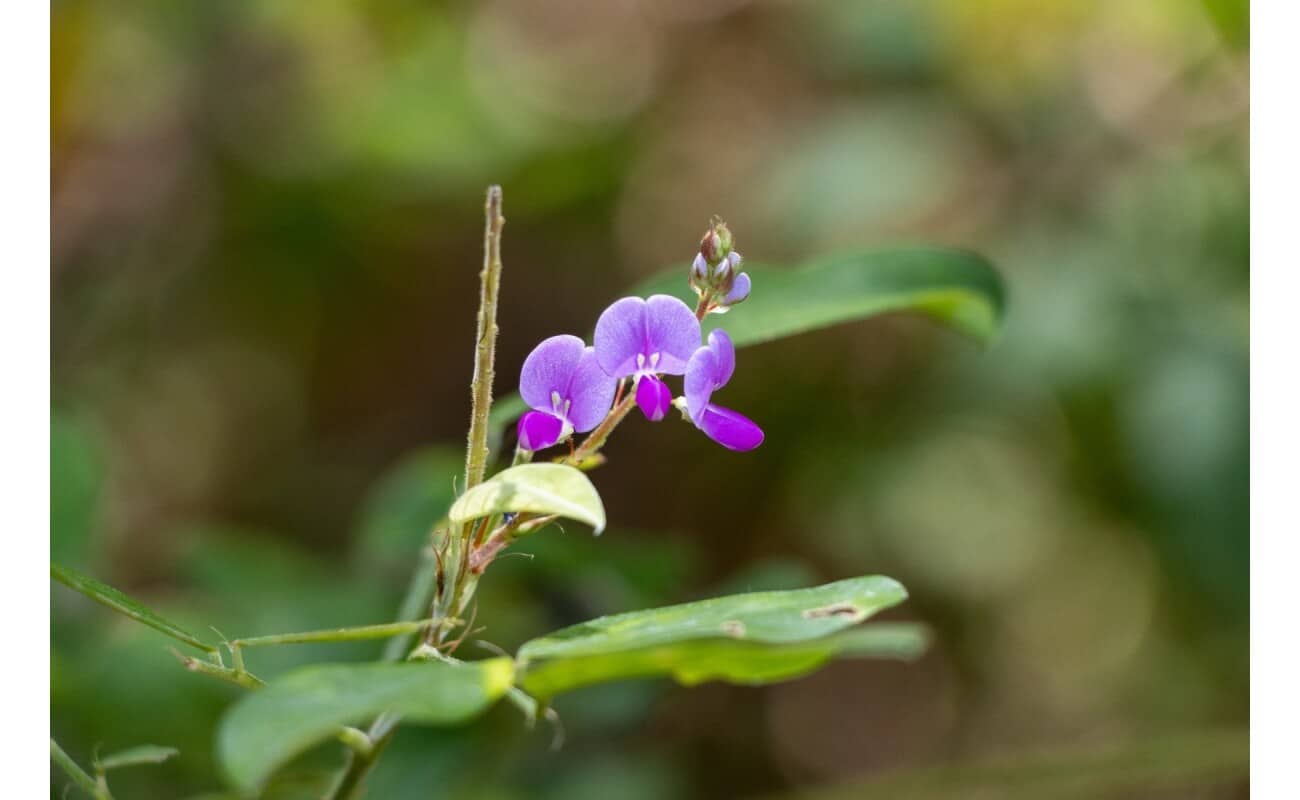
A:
x: 724, y: 274
x: 739, y: 290
x: 717, y: 242
x: 699, y: 278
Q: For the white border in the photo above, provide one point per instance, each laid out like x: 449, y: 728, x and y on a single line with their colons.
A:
x: 25, y: 371
x: 1274, y: 445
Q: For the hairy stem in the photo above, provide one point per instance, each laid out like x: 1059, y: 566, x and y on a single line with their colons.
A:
x: 476, y: 456
x: 450, y: 585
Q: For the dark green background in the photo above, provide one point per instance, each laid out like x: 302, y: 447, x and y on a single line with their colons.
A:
x: 267, y: 225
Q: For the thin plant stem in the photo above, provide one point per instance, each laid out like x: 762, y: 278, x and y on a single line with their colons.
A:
x: 592, y: 444
x: 79, y: 776
x: 476, y: 455
x: 419, y: 594
x: 355, y: 634
x: 455, y: 557
x: 239, y: 677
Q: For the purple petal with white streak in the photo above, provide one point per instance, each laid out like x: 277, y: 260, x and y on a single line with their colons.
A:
x: 590, y: 393
x: 672, y: 331
x: 620, y: 336
x: 731, y: 429
x: 548, y: 369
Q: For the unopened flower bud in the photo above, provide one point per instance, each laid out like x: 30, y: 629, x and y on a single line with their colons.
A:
x: 711, y: 247
x: 699, y: 278
x: 739, y: 290
x: 717, y: 242
x: 723, y: 276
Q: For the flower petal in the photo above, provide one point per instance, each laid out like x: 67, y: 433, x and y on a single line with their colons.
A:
x: 549, y: 369
x: 620, y: 336
x: 739, y: 290
x: 725, y: 351
x: 653, y: 397
x: 590, y: 393
x: 539, y: 430
x: 671, y: 330
x: 731, y: 429
x: 698, y: 385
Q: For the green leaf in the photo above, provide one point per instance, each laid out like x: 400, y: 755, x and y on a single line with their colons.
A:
x: 267, y: 728
x: 955, y: 287
x: 536, y: 488
x: 135, y: 756
x: 122, y: 604
x: 746, y: 638
x: 734, y: 661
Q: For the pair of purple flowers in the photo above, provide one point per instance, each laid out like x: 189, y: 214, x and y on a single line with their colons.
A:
x: 571, y: 386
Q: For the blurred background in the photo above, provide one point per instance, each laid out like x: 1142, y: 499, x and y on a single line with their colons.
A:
x: 266, y: 237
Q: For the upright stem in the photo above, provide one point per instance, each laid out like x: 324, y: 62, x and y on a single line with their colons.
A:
x: 476, y: 456
x: 456, y: 554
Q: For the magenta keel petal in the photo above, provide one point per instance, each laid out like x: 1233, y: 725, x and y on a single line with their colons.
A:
x: 731, y: 429
x: 538, y: 430
x: 653, y: 397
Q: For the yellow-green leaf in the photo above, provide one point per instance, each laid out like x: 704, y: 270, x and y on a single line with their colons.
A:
x: 536, y: 488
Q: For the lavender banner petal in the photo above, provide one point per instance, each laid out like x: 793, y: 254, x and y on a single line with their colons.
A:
x: 621, y: 336
x: 590, y: 392
x: 549, y: 368
x: 672, y: 331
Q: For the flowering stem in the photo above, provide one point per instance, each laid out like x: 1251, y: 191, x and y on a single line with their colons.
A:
x: 703, y: 307
x: 592, y: 444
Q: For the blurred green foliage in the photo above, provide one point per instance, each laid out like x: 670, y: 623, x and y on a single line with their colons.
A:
x: 266, y: 235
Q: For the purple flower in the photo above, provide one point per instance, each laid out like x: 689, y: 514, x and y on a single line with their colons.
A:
x: 568, y: 391
x: 645, y: 339
x: 739, y: 290
x: 709, y: 369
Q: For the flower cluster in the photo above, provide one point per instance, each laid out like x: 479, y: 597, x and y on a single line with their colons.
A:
x: 571, y: 387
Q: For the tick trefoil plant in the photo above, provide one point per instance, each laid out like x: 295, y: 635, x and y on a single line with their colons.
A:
x: 649, y: 350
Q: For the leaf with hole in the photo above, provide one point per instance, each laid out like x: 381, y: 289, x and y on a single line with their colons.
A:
x: 751, y: 638
x: 535, y: 488
x: 267, y: 728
